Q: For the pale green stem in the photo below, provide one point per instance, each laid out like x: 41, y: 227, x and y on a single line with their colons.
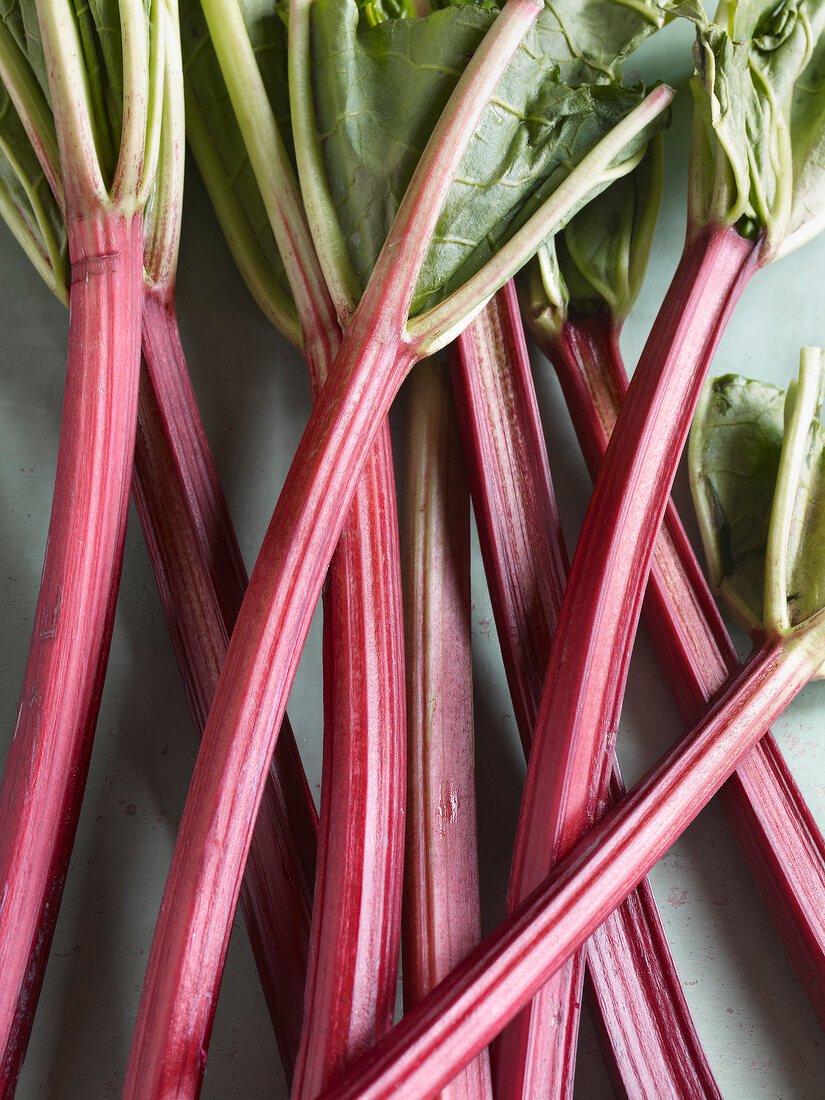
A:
x: 162, y: 217
x: 53, y: 258
x: 32, y: 108
x: 432, y: 330
x: 135, y: 50
x: 782, y: 537
x: 268, y: 156
x: 68, y: 84
x: 330, y: 245
x: 392, y: 284
x: 164, y: 35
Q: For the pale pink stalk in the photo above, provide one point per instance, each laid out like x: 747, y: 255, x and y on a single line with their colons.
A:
x: 459, y: 1018
x: 356, y: 917
x: 49, y: 754
x: 569, y: 770
x: 442, y: 905
x: 650, y: 1039
x: 781, y: 841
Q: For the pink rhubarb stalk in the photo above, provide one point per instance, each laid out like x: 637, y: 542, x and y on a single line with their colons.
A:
x: 462, y: 1015
x: 579, y: 712
x: 650, y: 1039
x: 781, y: 841
x: 202, y: 579
x: 356, y: 918
x: 442, y: 906
x: 192, y: 933
x: 49, y: 755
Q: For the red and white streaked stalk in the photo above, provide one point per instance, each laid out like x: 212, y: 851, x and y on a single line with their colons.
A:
x: 446, y: 1030
x: 781, y: 841
x: 569, y: 772
x: 49, y: 755
x: 651, y: 1041
x: 202, y: 579
x: 378, y: 348
x: 442, y: 906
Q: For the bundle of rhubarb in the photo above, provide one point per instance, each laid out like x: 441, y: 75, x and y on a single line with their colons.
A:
x: 430, y: 205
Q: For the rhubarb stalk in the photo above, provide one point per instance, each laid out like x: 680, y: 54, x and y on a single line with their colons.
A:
x: 263, y: 654
x: 48, y: 760
x: 442, y: 906
x: 651, y: 1042
x: 781, y: 841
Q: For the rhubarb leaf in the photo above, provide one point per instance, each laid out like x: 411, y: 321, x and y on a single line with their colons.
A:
x: 377, y: 96
x: 599, y: 260
x: 757, y: 469
x: 807, y: 215
x: 735, y: 445
x: 759, y: 119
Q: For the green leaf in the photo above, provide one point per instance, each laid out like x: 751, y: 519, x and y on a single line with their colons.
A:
x: 735, y: 445
x: 599, y: 260
x: 526, y: 144
x: 807, y: 215
x: 759, y: 119
x: 377, y: 97
x: 218, y: 144
x: 378, y: 94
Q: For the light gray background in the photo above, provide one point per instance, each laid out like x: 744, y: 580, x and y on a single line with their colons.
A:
x: 759, y: 1031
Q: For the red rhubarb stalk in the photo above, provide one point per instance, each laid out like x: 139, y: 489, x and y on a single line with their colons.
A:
x: 50, y: 749
x: 781, y: 841
x: 48, y: 759
x: 202, y: 579
x: 192, y: 933
x: 461, y: 1016
x: 580, y: 707
x: 651, y: 1042
x: 353, y: 957
x: 442, y: 906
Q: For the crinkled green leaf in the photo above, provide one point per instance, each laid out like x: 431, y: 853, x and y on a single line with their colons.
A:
x: 589, y: 39
x: 378, y: 94
x: 600, y: 258
x: 206, y: 88
x: 807, y: 214
x: 757, y: 128
x: 735, y: 445
x: 377, y: 98
x: 525, y: 145
x: 20, y: 16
